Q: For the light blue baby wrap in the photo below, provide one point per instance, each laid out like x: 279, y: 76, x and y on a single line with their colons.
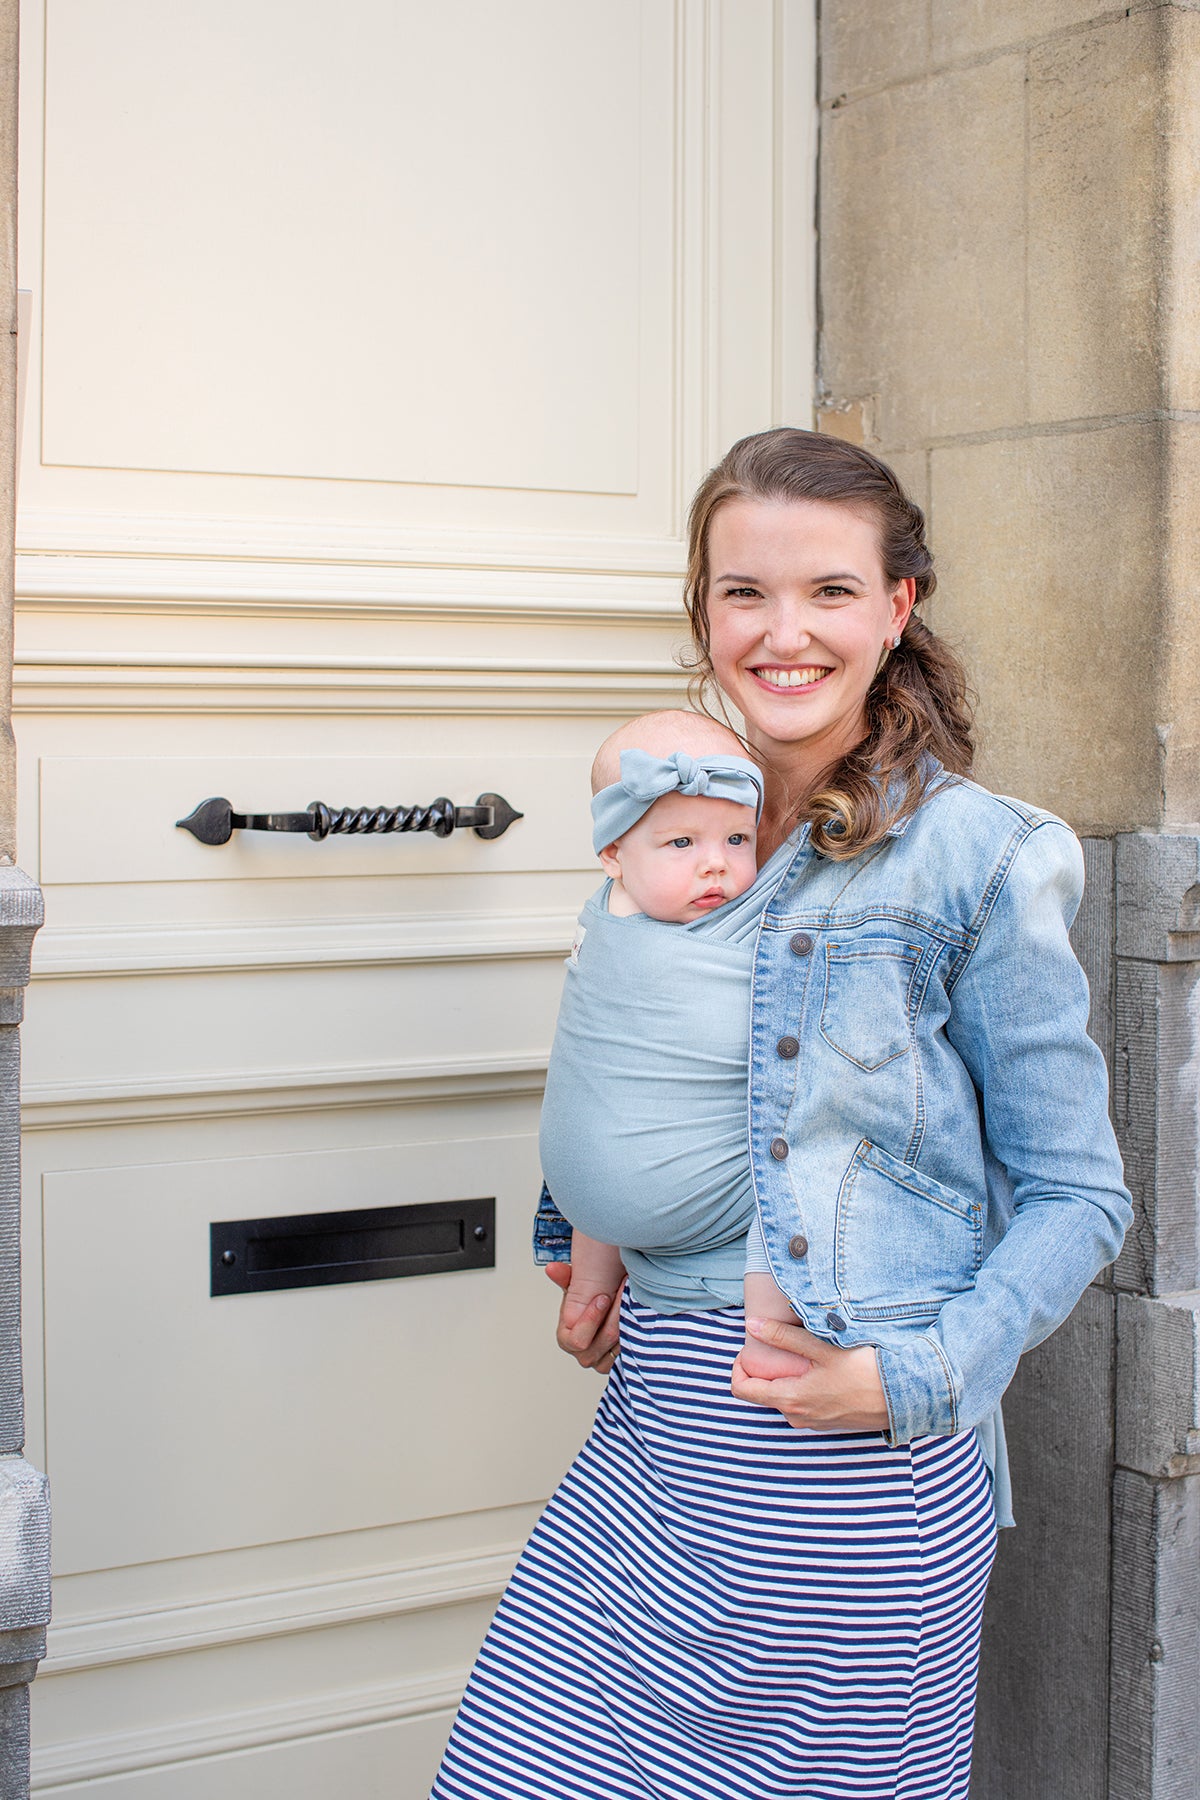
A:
x: 644, y: 1124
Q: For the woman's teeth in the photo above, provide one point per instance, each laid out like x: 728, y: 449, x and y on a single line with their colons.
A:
x: 790, y: 678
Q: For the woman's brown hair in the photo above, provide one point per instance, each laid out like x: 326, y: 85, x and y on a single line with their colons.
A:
x: 918, y: 705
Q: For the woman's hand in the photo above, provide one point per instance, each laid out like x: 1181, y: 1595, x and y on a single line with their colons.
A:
x: 841, y: 1392
x: 587, y: 1324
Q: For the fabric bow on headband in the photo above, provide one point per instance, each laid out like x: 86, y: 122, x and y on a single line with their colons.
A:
x: 646, y: 778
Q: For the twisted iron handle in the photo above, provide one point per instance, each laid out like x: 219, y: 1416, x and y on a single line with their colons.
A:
x: 214, y: 821
x: 437, y: 817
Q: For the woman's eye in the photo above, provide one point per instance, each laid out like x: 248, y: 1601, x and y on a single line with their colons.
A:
x: 833, y: 592
x: 741, y: 593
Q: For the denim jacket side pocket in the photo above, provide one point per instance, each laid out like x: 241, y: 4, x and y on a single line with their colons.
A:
x: 904, y: 1244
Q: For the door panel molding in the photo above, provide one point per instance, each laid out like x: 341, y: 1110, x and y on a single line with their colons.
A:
x: 56, y: 1106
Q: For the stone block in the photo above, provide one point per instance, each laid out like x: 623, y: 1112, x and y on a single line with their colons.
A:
x: 922, y: 253
x: 1158, y: 1384
x: 1043, y: 1691
x: 1157, y: 875
x: 1046, y: 548
x: 1156, y: 1114
x: 14, y: 1743
x: 864, y: 45
x: 24, y: 1551
x: 974, y: 27
x: 1154, y: 1742
x: 1092, y: 939
x: 1180, y: 713
x: 1181, y: 148
x: 1096, y: 242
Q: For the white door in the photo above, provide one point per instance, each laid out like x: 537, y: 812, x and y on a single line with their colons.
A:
x: 375, y: 350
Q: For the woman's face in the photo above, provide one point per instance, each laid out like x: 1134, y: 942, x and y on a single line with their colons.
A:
x: 799, y: 611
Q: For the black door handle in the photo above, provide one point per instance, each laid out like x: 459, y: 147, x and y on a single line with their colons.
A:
x: 214, y: 821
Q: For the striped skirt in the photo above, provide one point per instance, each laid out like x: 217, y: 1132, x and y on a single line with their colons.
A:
x: 717, y: 1607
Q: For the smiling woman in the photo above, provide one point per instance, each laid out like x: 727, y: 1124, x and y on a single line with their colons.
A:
x: 715, y: 1606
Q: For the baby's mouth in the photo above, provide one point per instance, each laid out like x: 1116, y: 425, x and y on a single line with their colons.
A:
x: 792, y: 678
x: 710, y: 897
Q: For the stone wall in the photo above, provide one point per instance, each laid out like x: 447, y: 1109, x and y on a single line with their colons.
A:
x: 1008, y: 308
x: 24, y: 1509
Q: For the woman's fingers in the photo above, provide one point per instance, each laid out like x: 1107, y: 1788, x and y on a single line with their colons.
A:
x: 841, y: 1392
x: 788, y: 1337
x: 588, y: 1332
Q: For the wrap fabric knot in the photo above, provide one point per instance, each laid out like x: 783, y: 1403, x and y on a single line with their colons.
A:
x: 646, y: 778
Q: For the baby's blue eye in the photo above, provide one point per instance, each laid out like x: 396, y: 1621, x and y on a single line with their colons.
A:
x: 740, y: 837
x: 680, y: 843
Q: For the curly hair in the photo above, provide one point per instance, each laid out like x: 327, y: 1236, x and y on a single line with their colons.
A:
x: 919, y: 704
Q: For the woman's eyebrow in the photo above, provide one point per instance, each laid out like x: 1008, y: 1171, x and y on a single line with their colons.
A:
x: 818, y: 580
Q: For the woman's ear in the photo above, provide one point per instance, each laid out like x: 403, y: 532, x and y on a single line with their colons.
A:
x: 610, y: 860
x: 903, y: 601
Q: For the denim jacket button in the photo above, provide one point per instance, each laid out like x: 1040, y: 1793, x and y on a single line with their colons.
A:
x: 798, y: 1246
x: 835, y: 1321
x: 801, y: 943
x: 787, y: 1047
x: 779, y: 1149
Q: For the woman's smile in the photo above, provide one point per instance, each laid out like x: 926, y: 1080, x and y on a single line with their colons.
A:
x: 794, y: 680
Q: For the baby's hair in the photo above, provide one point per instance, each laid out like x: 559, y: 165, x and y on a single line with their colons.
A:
x: 661, y: 734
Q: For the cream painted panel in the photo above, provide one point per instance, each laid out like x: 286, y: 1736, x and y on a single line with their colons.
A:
x: 272, y: 1416
x: 131, y: 1034
x: 395, y: 1760
x: 388, y: 244
x: 79, y: 844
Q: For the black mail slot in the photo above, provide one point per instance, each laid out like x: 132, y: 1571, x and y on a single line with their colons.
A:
x: 375, y: 1243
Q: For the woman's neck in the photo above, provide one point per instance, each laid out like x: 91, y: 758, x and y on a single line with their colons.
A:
x: 793, y: 776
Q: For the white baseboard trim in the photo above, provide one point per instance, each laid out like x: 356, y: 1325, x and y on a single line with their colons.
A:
x: 192, y: 1740
x: 104, y: 1640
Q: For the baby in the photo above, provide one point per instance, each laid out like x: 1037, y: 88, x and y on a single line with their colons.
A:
x: 644, y: 1123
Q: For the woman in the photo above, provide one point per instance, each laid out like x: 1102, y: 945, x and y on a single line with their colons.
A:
x: 716, y: 1605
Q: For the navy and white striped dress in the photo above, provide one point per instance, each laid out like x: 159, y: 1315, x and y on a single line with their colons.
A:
x: 715, y: 1606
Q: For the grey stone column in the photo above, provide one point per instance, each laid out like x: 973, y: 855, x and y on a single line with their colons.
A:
x: 1154, y: 1735
x: 24, y: 1502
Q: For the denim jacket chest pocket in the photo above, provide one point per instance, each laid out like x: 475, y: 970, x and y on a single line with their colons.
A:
x: 868, y: 1003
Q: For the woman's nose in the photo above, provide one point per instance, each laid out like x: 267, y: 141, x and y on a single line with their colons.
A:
x: 787, y: 629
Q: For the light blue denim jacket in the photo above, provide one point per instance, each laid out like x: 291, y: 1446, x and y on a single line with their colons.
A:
x: 933, y: 1161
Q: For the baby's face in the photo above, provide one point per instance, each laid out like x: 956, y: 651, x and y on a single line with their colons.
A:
x: 685, y: 857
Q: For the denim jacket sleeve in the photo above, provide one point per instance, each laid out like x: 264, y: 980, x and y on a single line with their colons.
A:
x: 1018, y: 1020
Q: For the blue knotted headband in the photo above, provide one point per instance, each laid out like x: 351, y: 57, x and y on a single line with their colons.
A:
x: 646, y: 778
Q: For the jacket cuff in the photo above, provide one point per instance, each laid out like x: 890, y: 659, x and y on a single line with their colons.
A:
x: 919, y: 1389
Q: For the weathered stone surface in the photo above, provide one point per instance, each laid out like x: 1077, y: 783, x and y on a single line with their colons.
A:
x: 865, y: 45
x: 1092, y: 938
x: 971, y: 27
x: 1181, y: 148
x: 1096, y: 246
x: 8, y: 406
x: 1156, y: 1112
x: 1036, y: 595
x: 1179, y: 712
x: 14, y: 1743
x: 1042, y: 1730
x: 1158, y: 1384
x: 1154, y: 1749
x: 24, y: 1548
x: 923, y: 287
